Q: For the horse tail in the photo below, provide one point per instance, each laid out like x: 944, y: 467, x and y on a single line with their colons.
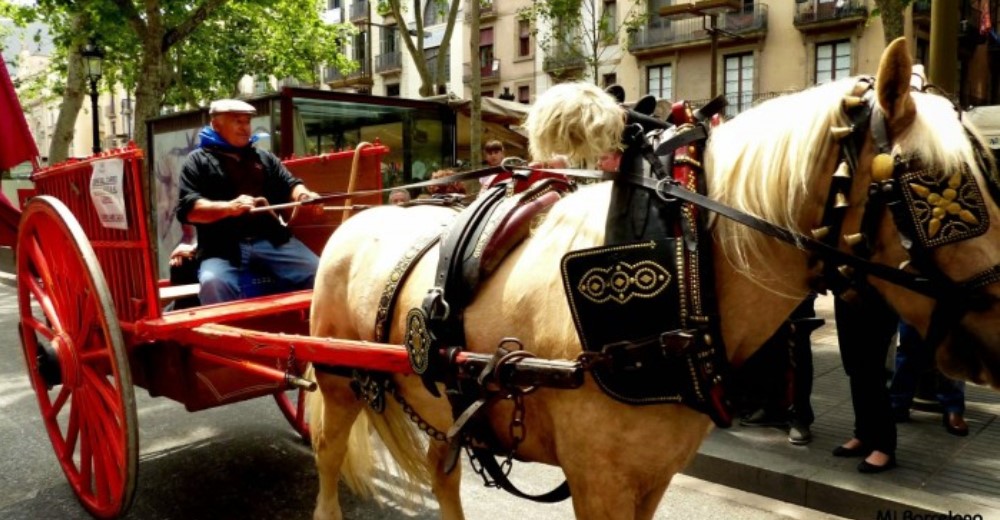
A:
x: 406, y: 445
x: 400, y: 437
x: 359, y: 459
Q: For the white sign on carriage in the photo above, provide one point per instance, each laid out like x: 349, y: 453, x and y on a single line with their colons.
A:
x: 106, y: 193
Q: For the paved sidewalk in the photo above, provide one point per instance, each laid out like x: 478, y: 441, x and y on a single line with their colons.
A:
x: 937, y: 473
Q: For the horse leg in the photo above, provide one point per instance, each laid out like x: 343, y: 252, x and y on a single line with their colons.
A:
x: 650, y: 501
x: 446, y: 487
x: 340, y: 410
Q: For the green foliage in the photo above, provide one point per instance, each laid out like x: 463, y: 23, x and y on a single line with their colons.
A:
x: 580, y: 30
x: 283, y: 38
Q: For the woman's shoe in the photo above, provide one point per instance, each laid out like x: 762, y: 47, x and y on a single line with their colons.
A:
x: 857, y: 451
x: 955, y: 424
x: 867, y: 467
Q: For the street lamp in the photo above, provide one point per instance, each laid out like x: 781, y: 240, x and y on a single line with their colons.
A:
x: 93, y: 60
x: 710, y: 9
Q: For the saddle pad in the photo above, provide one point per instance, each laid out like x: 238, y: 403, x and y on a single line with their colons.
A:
x: 628, y: 293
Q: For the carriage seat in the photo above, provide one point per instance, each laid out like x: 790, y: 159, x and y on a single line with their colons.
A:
x: 181, y: 291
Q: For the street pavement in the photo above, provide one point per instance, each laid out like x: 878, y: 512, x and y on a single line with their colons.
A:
x: 938, y: 473
x: 243, y: 461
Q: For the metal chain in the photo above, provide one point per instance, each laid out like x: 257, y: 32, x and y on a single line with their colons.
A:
x: 517, y: 430
x: 424, y: 426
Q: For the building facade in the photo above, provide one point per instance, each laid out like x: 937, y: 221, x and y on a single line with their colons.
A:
x: 762, y: 49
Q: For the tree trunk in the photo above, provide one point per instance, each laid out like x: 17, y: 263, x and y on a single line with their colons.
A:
x: 476, y: 114
x: 69, y: 109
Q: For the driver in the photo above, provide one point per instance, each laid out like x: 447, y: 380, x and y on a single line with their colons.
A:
x: 221, y: 181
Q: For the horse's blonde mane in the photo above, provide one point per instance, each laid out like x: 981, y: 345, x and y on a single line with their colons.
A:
x: 765, y: 161
x: 576, y: 120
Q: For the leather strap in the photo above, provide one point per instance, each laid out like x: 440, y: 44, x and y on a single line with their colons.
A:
x: 920, y: 284
x: 500, y: 480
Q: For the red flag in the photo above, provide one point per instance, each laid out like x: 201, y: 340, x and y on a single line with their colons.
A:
x: 16, y: 143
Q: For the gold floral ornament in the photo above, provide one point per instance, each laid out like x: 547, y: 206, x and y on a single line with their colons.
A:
x: 945, y: 209
x: 623, y: 281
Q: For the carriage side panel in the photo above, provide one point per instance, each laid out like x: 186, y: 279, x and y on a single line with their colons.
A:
x: 124, y: 254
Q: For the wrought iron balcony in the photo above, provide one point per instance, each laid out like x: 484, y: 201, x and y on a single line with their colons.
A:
x: 664, y: 35
x: 487, y: 75
x: 562, y: 63
x: 388, y: 62
x: 816, y: 15
x: 359, y: 10
x: 487, y: 12
x: 359, y: 76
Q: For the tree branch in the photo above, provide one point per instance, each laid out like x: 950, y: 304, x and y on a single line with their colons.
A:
x: 185, y: 28
x: 132, y: 16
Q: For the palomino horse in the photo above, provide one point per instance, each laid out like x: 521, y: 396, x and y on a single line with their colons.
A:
x: 774, y: 161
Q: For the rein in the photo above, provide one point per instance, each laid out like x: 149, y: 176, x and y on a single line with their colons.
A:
x: 890, y: 177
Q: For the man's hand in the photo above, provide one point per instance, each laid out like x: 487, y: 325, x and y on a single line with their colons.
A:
x: 311, y: 211
x: 181, y: 253
x: 241, y: 205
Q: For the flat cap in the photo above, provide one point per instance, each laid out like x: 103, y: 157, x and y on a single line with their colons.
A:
x: 223, y: 106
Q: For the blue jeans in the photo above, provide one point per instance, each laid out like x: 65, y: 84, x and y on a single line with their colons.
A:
x: 291, y: 266
x: 913, y: 358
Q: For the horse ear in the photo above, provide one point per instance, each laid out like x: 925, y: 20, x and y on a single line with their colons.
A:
x: 617, y: 92
x: 893, y: 82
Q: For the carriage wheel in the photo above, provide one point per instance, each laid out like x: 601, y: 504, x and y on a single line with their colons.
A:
x: 292, y: 404
x: 76, y: 358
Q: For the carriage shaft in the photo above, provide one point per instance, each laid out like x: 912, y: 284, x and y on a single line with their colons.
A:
x: 231, y: 341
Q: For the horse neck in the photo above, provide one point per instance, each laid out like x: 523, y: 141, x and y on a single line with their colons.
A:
x: 750, y: 313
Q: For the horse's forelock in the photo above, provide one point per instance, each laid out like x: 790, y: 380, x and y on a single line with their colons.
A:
x: 577, y: 120
x: 939, y: 138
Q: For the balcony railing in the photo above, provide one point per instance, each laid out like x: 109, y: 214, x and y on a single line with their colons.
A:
x: 359, y: 10
x: 333, y: 75
x: 690, y: 30
x: 737, y: 103
x: 563, y: 61
x: 488, y: 74
x: 487, y: 11
x: 816, y: 11
x: 389, y: 61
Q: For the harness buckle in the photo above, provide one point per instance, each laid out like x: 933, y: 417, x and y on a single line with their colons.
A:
x: 662, y: 193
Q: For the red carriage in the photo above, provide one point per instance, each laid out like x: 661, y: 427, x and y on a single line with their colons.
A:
x: 93, y: 322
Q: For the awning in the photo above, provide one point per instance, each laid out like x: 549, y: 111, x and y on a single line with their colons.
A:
x: 987, y: 121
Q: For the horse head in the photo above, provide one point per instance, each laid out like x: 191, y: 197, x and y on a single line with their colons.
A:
x: 947, y: 224
x: 900, y: 180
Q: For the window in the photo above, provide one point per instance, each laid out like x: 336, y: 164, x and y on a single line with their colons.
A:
x: 524, y: 94
x: 660, y: 81
x: 392, y: 90
x: 432, y: 13
x: 609, y: 20
x: 833, y: 61
x: 738, y: 83
x: 333, y: 4
x: 486, y: 51
x: 609, y: 79
x: 388, y: 40
x: 523, y: 38
x: 358, y: 48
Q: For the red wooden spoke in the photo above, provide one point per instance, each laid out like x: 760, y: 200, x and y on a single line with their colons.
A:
x: 39, y: 327
x: 72, y: 430
x: 45, y: 302
x: 56, y: 406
